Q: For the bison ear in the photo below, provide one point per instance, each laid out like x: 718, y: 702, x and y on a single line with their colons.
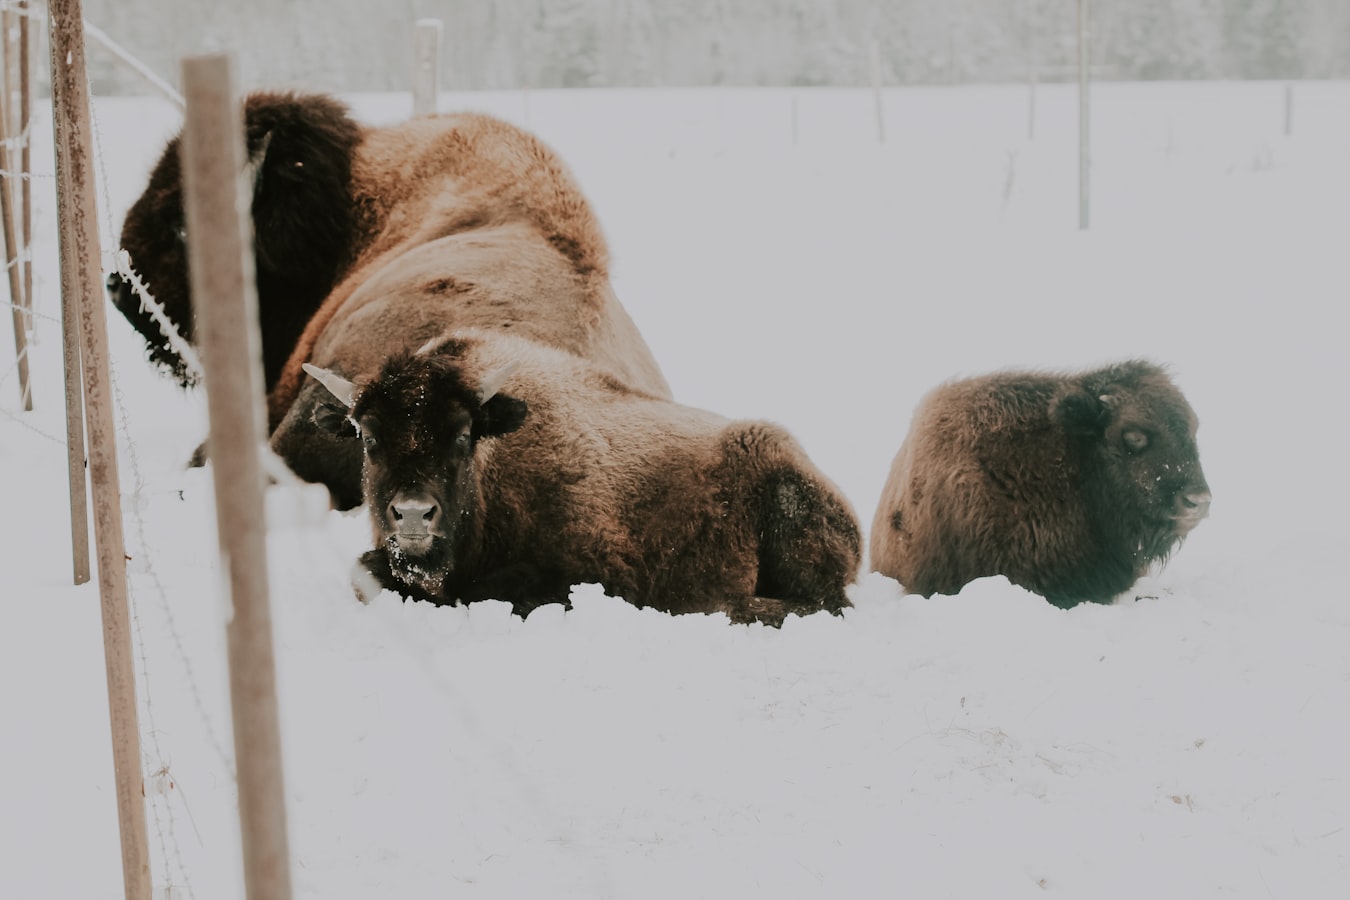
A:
x: 1081, y: 414
x: 334, y: 418
x: 500, y: 414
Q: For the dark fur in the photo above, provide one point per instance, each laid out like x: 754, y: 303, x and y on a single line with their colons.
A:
x: 303, y: 217
x: 566, y: 476
x: 1042, y: 478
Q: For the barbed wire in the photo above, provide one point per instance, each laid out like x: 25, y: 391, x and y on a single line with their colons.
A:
x: 165, y: 822
x: 20, y: 140
x: 156, y: 765
x: 32, y: 312
x: 27, y: 176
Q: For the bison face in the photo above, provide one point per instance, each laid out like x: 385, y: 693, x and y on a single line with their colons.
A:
x: 420, y: 423
x: 1141, y: 467
x: 154, y: 236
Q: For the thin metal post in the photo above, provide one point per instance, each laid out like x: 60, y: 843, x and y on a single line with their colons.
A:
x: 225, y: 303
x: 82, y: 274
x: 1084, y: 108
x: 874, y: 68
x: 1033, y: 79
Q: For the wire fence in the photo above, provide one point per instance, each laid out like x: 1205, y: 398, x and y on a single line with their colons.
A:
x: 149, y: 594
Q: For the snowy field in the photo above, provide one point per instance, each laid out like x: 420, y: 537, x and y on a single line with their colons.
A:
x: 784, y: 264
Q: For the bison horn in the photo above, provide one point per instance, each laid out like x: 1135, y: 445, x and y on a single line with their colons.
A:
x: 493, y: 381
x: 338, y: 386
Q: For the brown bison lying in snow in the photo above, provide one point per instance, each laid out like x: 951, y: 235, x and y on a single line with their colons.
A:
x: 498, y: 467
x: 1069, y: 485
x: 337, y: 205
x: 305, y: 223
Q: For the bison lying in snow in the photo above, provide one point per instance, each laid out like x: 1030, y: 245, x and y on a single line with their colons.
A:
x: 497, y: 467
x: 305, y: 222
x: 336, y: 204
x: 1068, y: 485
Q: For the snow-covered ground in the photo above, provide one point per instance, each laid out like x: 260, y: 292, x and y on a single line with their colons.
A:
x: 783, y: 264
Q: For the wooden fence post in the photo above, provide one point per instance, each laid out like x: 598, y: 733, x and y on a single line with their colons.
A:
x: 68, y: 228
x: 426, y: 66
x: 26, y: 157
x: 8, y: 161
x: 225, y: 303
x: 81, y: 258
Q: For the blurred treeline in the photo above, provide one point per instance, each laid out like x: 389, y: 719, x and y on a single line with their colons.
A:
x: 345, y: 45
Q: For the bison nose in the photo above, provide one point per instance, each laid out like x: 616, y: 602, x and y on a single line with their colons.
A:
x: 414, y: 515
x: 1192, y: 506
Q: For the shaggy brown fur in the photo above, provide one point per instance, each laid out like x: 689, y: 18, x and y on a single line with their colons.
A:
x: 493, y: 216
x: 1069, y: 485
x: 303, y: 215
x: 336, y: 203
x: 567, y: 476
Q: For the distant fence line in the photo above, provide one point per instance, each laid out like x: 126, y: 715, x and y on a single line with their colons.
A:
x: 336, y: 45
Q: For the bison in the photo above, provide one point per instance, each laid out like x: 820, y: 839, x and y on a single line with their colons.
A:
x: 1070, y: 485
x: 305, y: 217
x: 498, y: 467
x: 336, y: 203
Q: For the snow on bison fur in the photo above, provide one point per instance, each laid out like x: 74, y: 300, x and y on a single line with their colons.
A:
x: 498, y: 467
x: 1069, y: 485
x: 336, y: 203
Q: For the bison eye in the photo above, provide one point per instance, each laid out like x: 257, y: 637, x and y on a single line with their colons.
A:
x: 1135, y: 440
x: 369, y: 441
x: 462, y: 442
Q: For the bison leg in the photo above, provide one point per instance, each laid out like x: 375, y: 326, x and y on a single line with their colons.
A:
x: 809, y: 545
x: 524, y: 585
x: 809, y: 542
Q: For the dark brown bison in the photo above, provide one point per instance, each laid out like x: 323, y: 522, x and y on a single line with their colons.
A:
x: 497, y: 467
x: 304, y: 219
x: 337, y: 204
x: 1069, y: 485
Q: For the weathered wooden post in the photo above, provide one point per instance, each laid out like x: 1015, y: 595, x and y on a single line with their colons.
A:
x: 12, y: 138
x: 225, y: 303
x: 26, y: 157
x: 1084, y: 79
x: 81, y: 268
x: 70, y: 234
x: 426, y: 66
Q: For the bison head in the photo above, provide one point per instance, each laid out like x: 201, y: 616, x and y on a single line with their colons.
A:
x: 420, y: 421
x: 1134, y: 434
x: 300, y: 152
